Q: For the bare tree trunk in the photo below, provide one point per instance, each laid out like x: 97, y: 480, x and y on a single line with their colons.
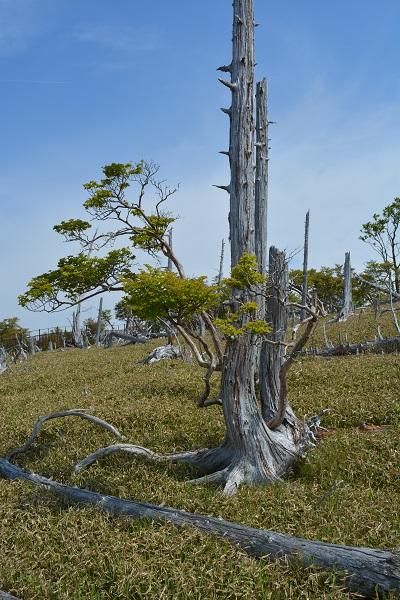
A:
x: 304, y: 295
x: 170, y: 265
x: 99, y: 322
x: 347, y: 308
x: 32, y: 345
x: 76, y: 327
x: 272, y: 355
x: 256, y: 454
x: 241, y: 147
x: 261, y: 186
x: 221, y: 263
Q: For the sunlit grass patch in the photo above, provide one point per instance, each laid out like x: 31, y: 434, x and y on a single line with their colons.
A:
x: 52, y: 550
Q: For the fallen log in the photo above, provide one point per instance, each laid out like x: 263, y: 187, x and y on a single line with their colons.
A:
x: 363, y: 570
x: 5, y: 596
x: 128, y: 338
x: 385, y: 345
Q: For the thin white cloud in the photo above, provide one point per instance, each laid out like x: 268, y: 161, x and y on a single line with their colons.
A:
x: 127, y: 39
x: 19, y: 24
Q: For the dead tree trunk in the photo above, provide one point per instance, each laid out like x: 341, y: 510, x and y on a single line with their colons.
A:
x: 364, y: 570
x: 261, y: 183
x: 304, y: 295
x: 170, y: 264
x: 3, y: 361
x: 221, y: 263
x: 76, y: 327
x: 261, y: 186
x: 252, y: 452
x: 241, y: 113
x: 347, y: 308
x: 99, y: 322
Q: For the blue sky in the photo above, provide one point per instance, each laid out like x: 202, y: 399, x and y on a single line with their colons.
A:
x: 86, y: 82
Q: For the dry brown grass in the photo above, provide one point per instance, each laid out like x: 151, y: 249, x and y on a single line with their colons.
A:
x: 51, y: 550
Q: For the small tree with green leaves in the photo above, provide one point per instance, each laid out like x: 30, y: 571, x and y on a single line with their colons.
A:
x: 383, y: 234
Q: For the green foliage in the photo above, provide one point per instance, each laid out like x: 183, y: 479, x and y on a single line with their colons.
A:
x: 71, y: 228
x: 158, y: 293
x: 245, y: 274
x: 328, y: 282
x: 76, y: 275
x: 382, y: 233
x: 148, y: 237
x: 9, y: 329
x: 111, y: 187
x: 232, y: 326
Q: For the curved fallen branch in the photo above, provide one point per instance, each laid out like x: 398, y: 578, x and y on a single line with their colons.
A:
x: 76, y: 412
x: 365, y: 570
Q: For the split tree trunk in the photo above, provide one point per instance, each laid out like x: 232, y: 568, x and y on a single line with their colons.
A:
x: 256, y: 453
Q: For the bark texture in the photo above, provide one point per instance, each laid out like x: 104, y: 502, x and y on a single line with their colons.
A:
x: 273, y: 354
x: 347, y: 308
x: 241, y: 146
x: 364, y: 570
x: 99, y: 322
x: 304, y: 295
x: 261, y: 185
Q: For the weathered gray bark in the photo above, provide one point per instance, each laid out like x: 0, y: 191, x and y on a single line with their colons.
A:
x: 163, y: 353
x: 129, y: 339
x: 375, y: 286
x: 170, y: 265
x: 273, y: 354
x: 258, y: 454
x: 221, y: 263
x: 261, y: 185
x: 5, y: 596
x: 304, y: 295
x: 363, y: 570
x: 99, y: 322
x: 347, y: 308
x: 241, y: 146
x: 3, y: 361
x: 382, y: 345
x: 32, y: 345
x: 76, y: 327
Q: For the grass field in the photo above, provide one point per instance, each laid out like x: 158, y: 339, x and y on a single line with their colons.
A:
x: 50, y: 550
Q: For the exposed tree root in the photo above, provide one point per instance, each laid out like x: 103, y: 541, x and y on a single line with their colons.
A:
x: 204, y: 459
x: 365, y: 570
x: 76, y: 412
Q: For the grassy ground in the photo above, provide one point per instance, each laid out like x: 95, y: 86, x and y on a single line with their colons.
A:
x: 50, y: 550
x: 360, y: 327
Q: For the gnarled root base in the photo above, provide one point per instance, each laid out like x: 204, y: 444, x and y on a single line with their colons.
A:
x: 262, y: 464
x: 365, y: 570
